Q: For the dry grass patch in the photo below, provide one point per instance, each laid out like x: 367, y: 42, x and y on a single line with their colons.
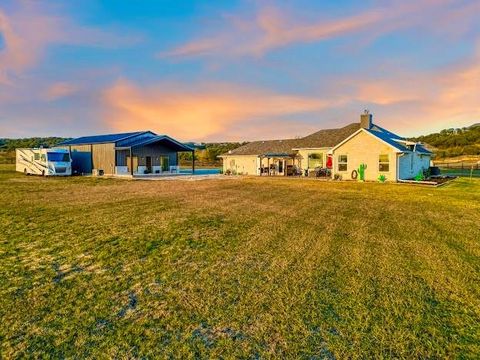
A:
x: 252, y: 267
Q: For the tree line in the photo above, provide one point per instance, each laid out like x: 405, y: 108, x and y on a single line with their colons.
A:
x: 454, y: 142
x: 208, y: 153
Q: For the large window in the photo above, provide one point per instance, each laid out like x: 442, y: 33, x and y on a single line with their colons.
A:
x: 315, y: 160
x: 164, y: 163
x: 58, y: 157
x: 342, y: 163
x: 383, y: 163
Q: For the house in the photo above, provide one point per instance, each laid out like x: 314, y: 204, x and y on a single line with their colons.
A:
x: 344, y: 151
x: 134, y: 153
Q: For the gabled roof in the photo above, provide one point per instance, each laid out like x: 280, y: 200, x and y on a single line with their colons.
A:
x: 397, y: 142
x: 327, y: 137
x: 129, y: 140
x: 172, y: 143
x: 265, y: 147
x: 320, y: 139
x: 101, y: 139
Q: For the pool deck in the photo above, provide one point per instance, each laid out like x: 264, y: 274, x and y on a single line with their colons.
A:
x: 170, y: 177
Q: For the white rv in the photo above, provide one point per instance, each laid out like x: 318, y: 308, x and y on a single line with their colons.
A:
x: 45, y: 162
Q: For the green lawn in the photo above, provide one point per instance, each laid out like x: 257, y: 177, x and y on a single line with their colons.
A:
x: 251, y: 268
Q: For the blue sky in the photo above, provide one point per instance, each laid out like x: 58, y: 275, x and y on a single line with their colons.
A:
x: 236, y: 70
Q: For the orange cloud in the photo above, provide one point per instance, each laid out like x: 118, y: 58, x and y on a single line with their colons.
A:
x: 447, y: 97
x: 215, y: 111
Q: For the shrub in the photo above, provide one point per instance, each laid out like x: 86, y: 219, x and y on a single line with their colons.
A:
x: 420, y: 176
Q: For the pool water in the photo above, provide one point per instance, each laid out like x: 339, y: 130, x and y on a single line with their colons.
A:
x: 211, y: 171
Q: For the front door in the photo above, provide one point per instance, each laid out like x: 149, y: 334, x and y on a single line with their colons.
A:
x: 148, y: 163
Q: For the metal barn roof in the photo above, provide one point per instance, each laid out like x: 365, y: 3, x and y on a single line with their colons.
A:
x: 101, y: 139
x: 129, y: 140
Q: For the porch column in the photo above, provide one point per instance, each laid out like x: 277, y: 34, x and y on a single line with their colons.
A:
x: 193, y: 161
x: 268, y: 166
x: 131, y: 162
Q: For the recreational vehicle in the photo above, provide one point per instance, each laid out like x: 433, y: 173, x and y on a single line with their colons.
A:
x: 45, y: 162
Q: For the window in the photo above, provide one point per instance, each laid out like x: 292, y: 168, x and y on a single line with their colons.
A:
x: 232, y: 163
x: 383, y: 163
x: 342, y: 163
x: 43, y: 157
x: 315, y: 160
x: 58, y: 157
x: 37, y: 156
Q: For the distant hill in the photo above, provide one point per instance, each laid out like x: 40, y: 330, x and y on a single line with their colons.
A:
x: 454, y: 142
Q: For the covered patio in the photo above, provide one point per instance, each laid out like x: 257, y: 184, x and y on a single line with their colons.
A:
x: 151, y: 156
x: 278, y: 164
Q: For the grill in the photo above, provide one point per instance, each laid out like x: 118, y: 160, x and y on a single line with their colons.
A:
x: 60, y: 170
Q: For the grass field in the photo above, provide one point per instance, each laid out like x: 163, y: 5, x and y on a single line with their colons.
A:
x: 252, y: 268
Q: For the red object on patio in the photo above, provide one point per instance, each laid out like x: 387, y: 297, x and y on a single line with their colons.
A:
x: 329, y: 162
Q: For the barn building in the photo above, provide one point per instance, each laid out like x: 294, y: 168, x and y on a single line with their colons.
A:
x: 134, y: 153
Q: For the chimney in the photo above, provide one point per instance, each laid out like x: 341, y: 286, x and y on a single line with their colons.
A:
x: 366, y: 119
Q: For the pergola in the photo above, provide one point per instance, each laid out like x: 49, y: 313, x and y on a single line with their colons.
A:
x: 274, y: 156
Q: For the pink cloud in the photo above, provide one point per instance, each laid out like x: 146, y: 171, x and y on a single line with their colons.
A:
x: 60, y: 90
x: 29, y: 31
x: 273, y: 28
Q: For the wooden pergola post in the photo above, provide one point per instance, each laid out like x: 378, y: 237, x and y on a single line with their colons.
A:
x: 131, y: 162
x: 193, y: 161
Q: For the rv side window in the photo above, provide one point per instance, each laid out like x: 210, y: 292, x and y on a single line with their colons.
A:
x: 37, y: 156
x: 43, y: 158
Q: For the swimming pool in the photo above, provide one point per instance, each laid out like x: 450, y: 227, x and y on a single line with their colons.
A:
x: 207, y: 171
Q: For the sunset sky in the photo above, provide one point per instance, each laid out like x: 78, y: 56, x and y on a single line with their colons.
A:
x: 236, y: 70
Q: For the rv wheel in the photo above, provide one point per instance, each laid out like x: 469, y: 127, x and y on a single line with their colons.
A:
x: 43, y: 172
x: 25, y: 171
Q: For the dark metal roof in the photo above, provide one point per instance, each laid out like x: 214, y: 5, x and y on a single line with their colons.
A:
x: 132, y: 139
x: 101, y: 139
x: 172, y: 143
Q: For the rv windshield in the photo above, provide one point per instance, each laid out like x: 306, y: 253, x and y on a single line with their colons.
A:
x: 58, y: 157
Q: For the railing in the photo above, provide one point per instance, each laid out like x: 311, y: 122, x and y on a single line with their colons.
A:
x: 459, y: 168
